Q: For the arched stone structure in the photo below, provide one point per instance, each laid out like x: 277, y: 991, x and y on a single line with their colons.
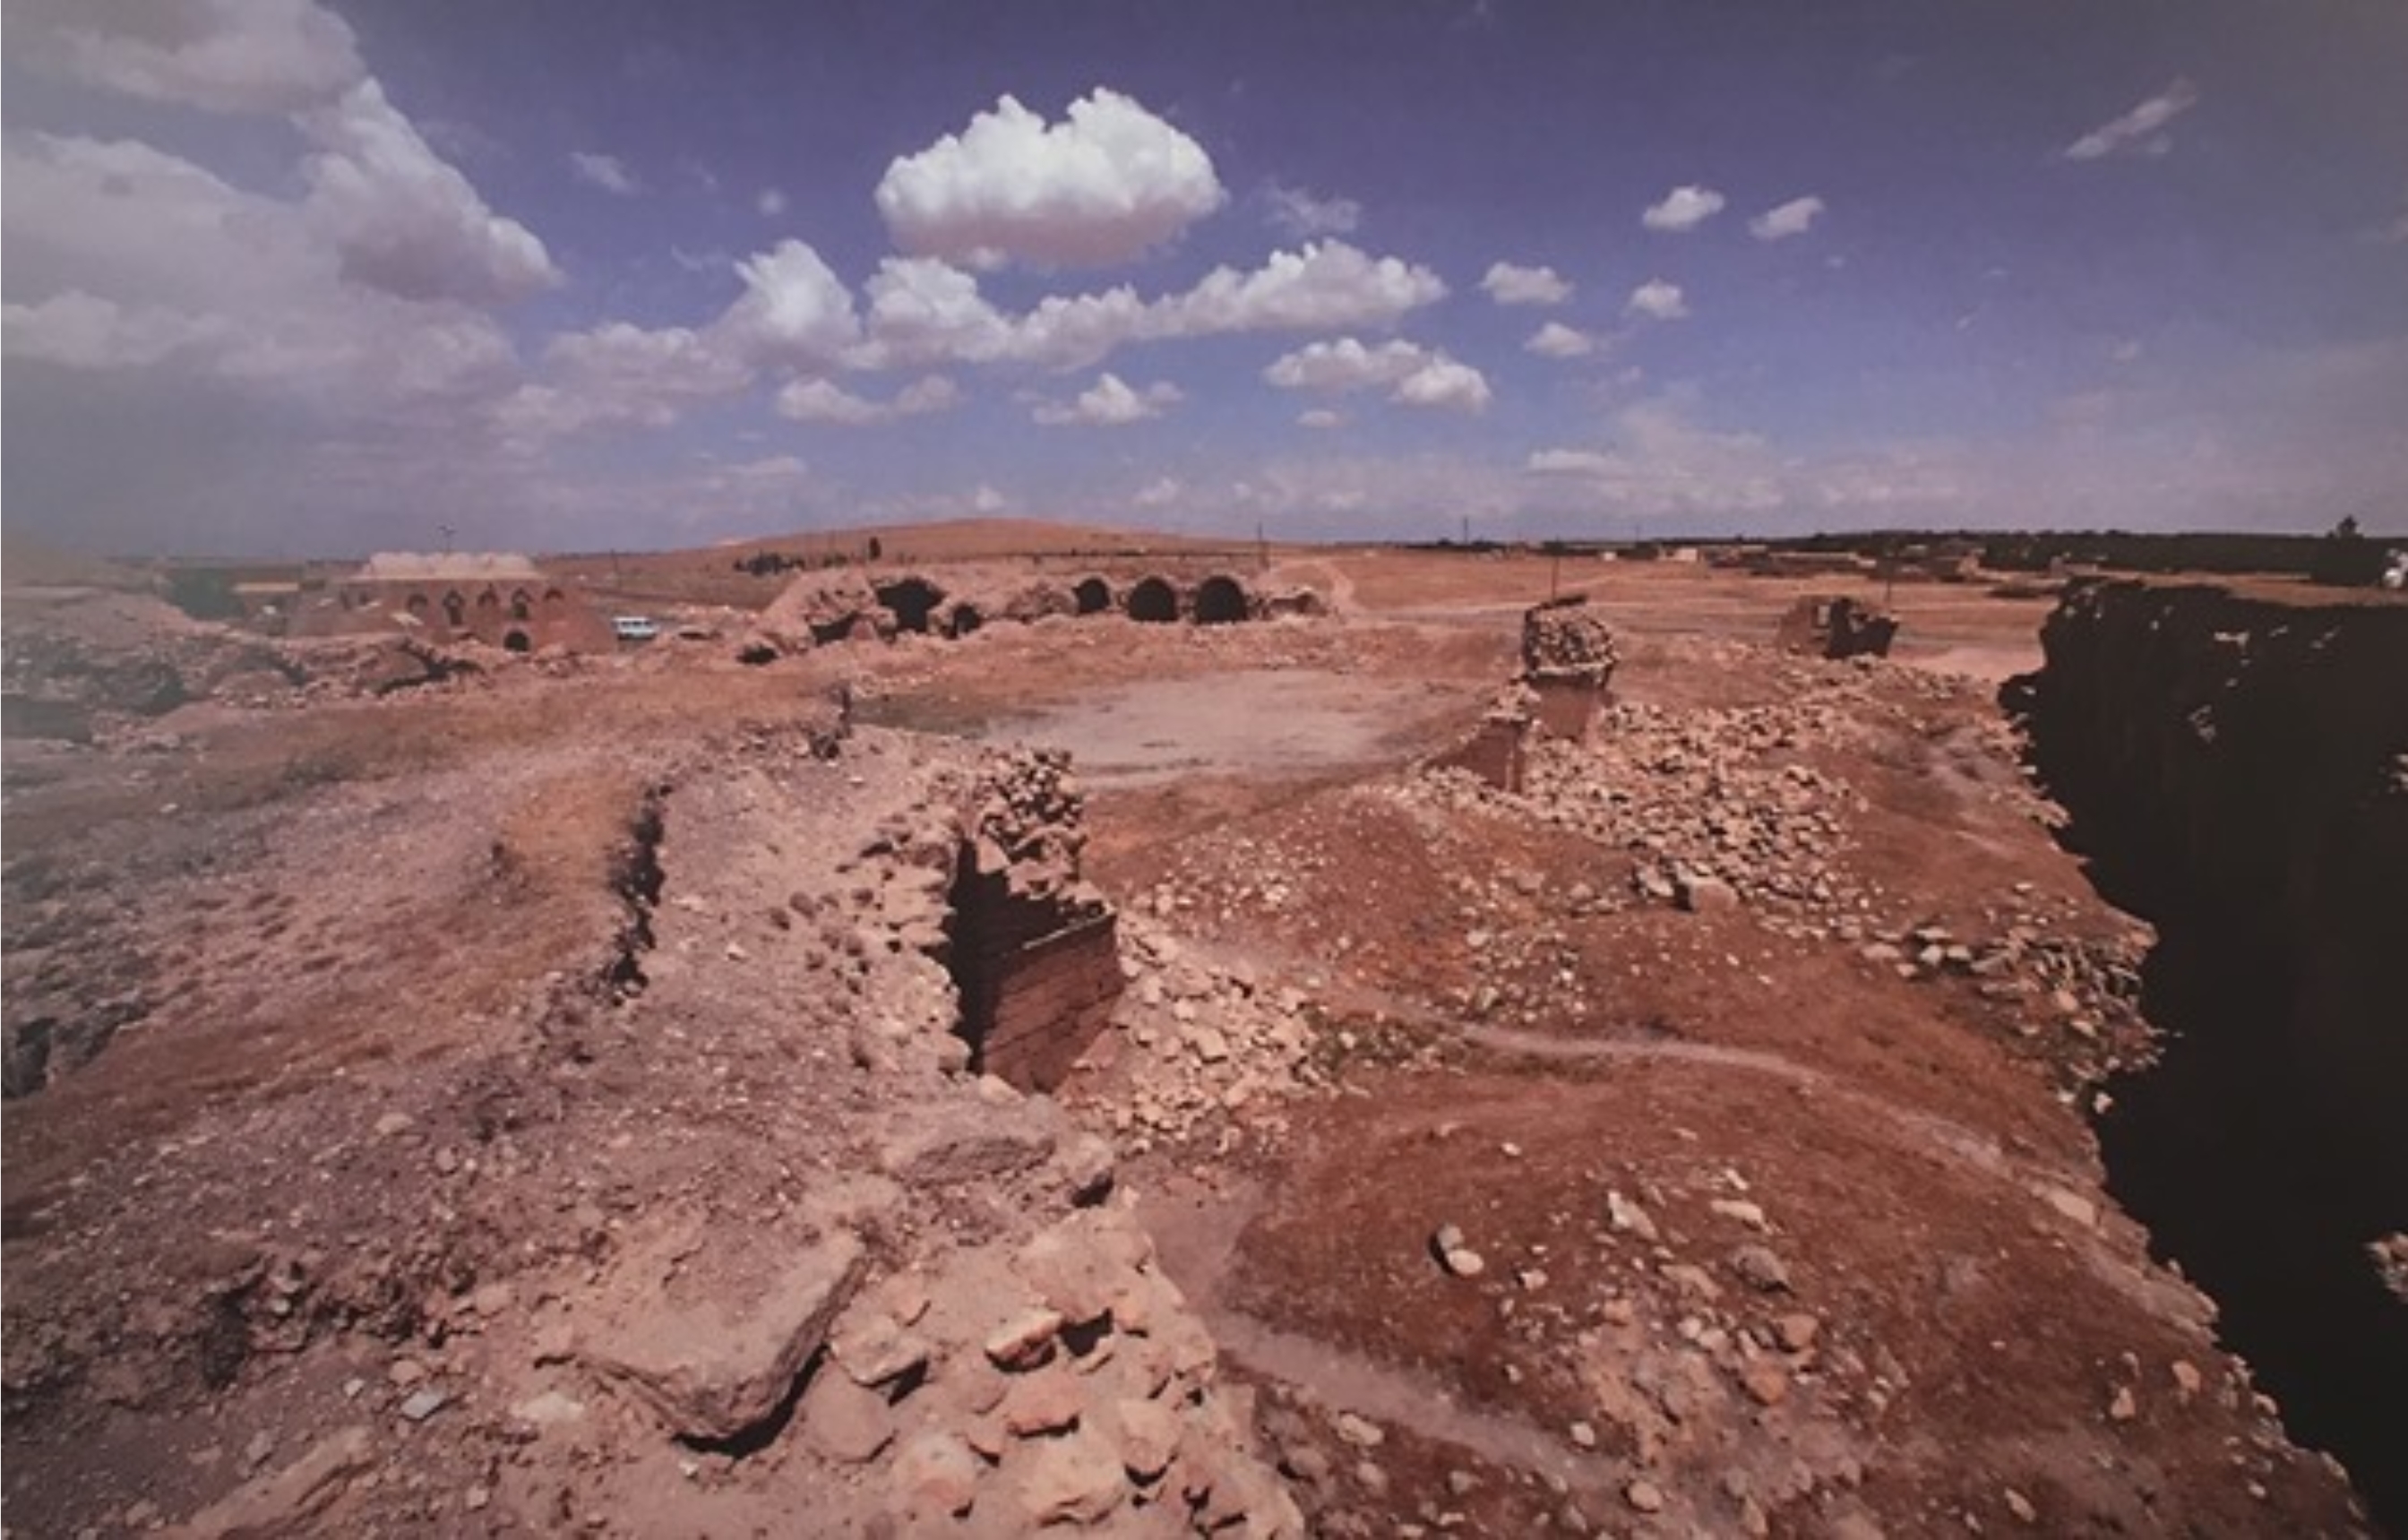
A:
x: 1093, y: 596
x: 1221, y: 600
x: 911, y: 600
x: 1154, y: 600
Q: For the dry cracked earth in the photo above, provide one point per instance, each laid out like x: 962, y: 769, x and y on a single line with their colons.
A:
x: 529, y: 1102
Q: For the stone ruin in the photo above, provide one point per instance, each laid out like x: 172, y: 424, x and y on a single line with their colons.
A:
x: 1568, y: 659
x: 822, y: 607
x: 1836, y: 627
x: 1034, y: 950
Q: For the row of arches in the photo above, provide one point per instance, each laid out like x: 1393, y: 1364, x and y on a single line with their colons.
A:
x: 455, y: 605
x: 1218, y: 600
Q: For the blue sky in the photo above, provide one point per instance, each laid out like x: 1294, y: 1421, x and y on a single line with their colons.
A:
x: 293, y: 277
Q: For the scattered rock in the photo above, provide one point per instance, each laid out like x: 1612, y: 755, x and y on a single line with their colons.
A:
x: 1760, y: 1269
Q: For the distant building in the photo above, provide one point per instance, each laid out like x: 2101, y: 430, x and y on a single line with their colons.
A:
x: 496, y: 598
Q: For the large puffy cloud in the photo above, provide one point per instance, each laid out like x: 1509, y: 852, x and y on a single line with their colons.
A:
x: 1509, y: 284
x: 1111, y: 402
x: 239, y: 56
x: 1106, y: 184
x: 2140, y: 131
x: 1794, y: 218
x: 794, y: 309
x: 406, y: 221
x: 1683, y: 209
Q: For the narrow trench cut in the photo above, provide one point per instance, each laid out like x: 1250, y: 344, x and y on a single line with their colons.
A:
x: 2237, y: 773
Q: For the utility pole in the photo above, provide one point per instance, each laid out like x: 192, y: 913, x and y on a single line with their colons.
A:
x: 447, y: 532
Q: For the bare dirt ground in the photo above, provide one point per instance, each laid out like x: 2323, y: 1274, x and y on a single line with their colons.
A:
x: 1694, y: 1143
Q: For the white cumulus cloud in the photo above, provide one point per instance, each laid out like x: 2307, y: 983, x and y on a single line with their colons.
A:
x: 1345, y: 365
x: 1659, y: 300
x: 1509, y: 284
x: 1413, y: 376
x: 1320, y: 417
x: 1445, y: 385
x: 1159, y: 492
x: 1556, y: 341
x: 1325, y: 286
x: 794, y: 309
x: 1794, y: 218
x: 1111, y: 402
x: 1105, y: 185
x: 1683, y: 209
x: 2140, y: 131
x: 606, y: 172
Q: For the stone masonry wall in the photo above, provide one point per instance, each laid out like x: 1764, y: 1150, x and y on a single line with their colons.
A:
x: 1036, y: 953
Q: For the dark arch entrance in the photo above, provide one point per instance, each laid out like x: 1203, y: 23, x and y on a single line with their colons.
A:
x: 1094, y: 596
x: 965, y: 620
x: 517, y: 641
x: 910, y: 599
x: 1154, y: 600
x: 1220, y: 601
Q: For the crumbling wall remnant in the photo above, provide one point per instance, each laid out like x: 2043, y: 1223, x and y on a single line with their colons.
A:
x: 1836, y: 627
x: 1568, y: 660
x: 1034, y: 951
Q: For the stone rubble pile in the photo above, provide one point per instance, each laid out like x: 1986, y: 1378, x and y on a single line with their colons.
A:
x: 1564, y: 639
x: 1200, y: 1040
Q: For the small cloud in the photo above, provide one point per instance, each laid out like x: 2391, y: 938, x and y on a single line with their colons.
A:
x: 1794, y: 218
x: 1160, y: 493
x: 2124, y: 352
x: 1556, y: 341
x: 824, y: 401
x: 1111, y: 402
x: 770, y: 203
x: 1301, y: 215
x: 2140, y: 131
x: 1508, y: 284
x: 1683, y: 209
x: 606, y: 172
x: 986, y: 500
x: 1659, y: 300
x: 1320, y: 417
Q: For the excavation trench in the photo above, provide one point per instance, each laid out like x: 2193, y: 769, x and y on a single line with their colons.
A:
x: 2237, y: 773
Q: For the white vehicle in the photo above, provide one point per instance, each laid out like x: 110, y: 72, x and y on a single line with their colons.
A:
x: 635, y: 627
